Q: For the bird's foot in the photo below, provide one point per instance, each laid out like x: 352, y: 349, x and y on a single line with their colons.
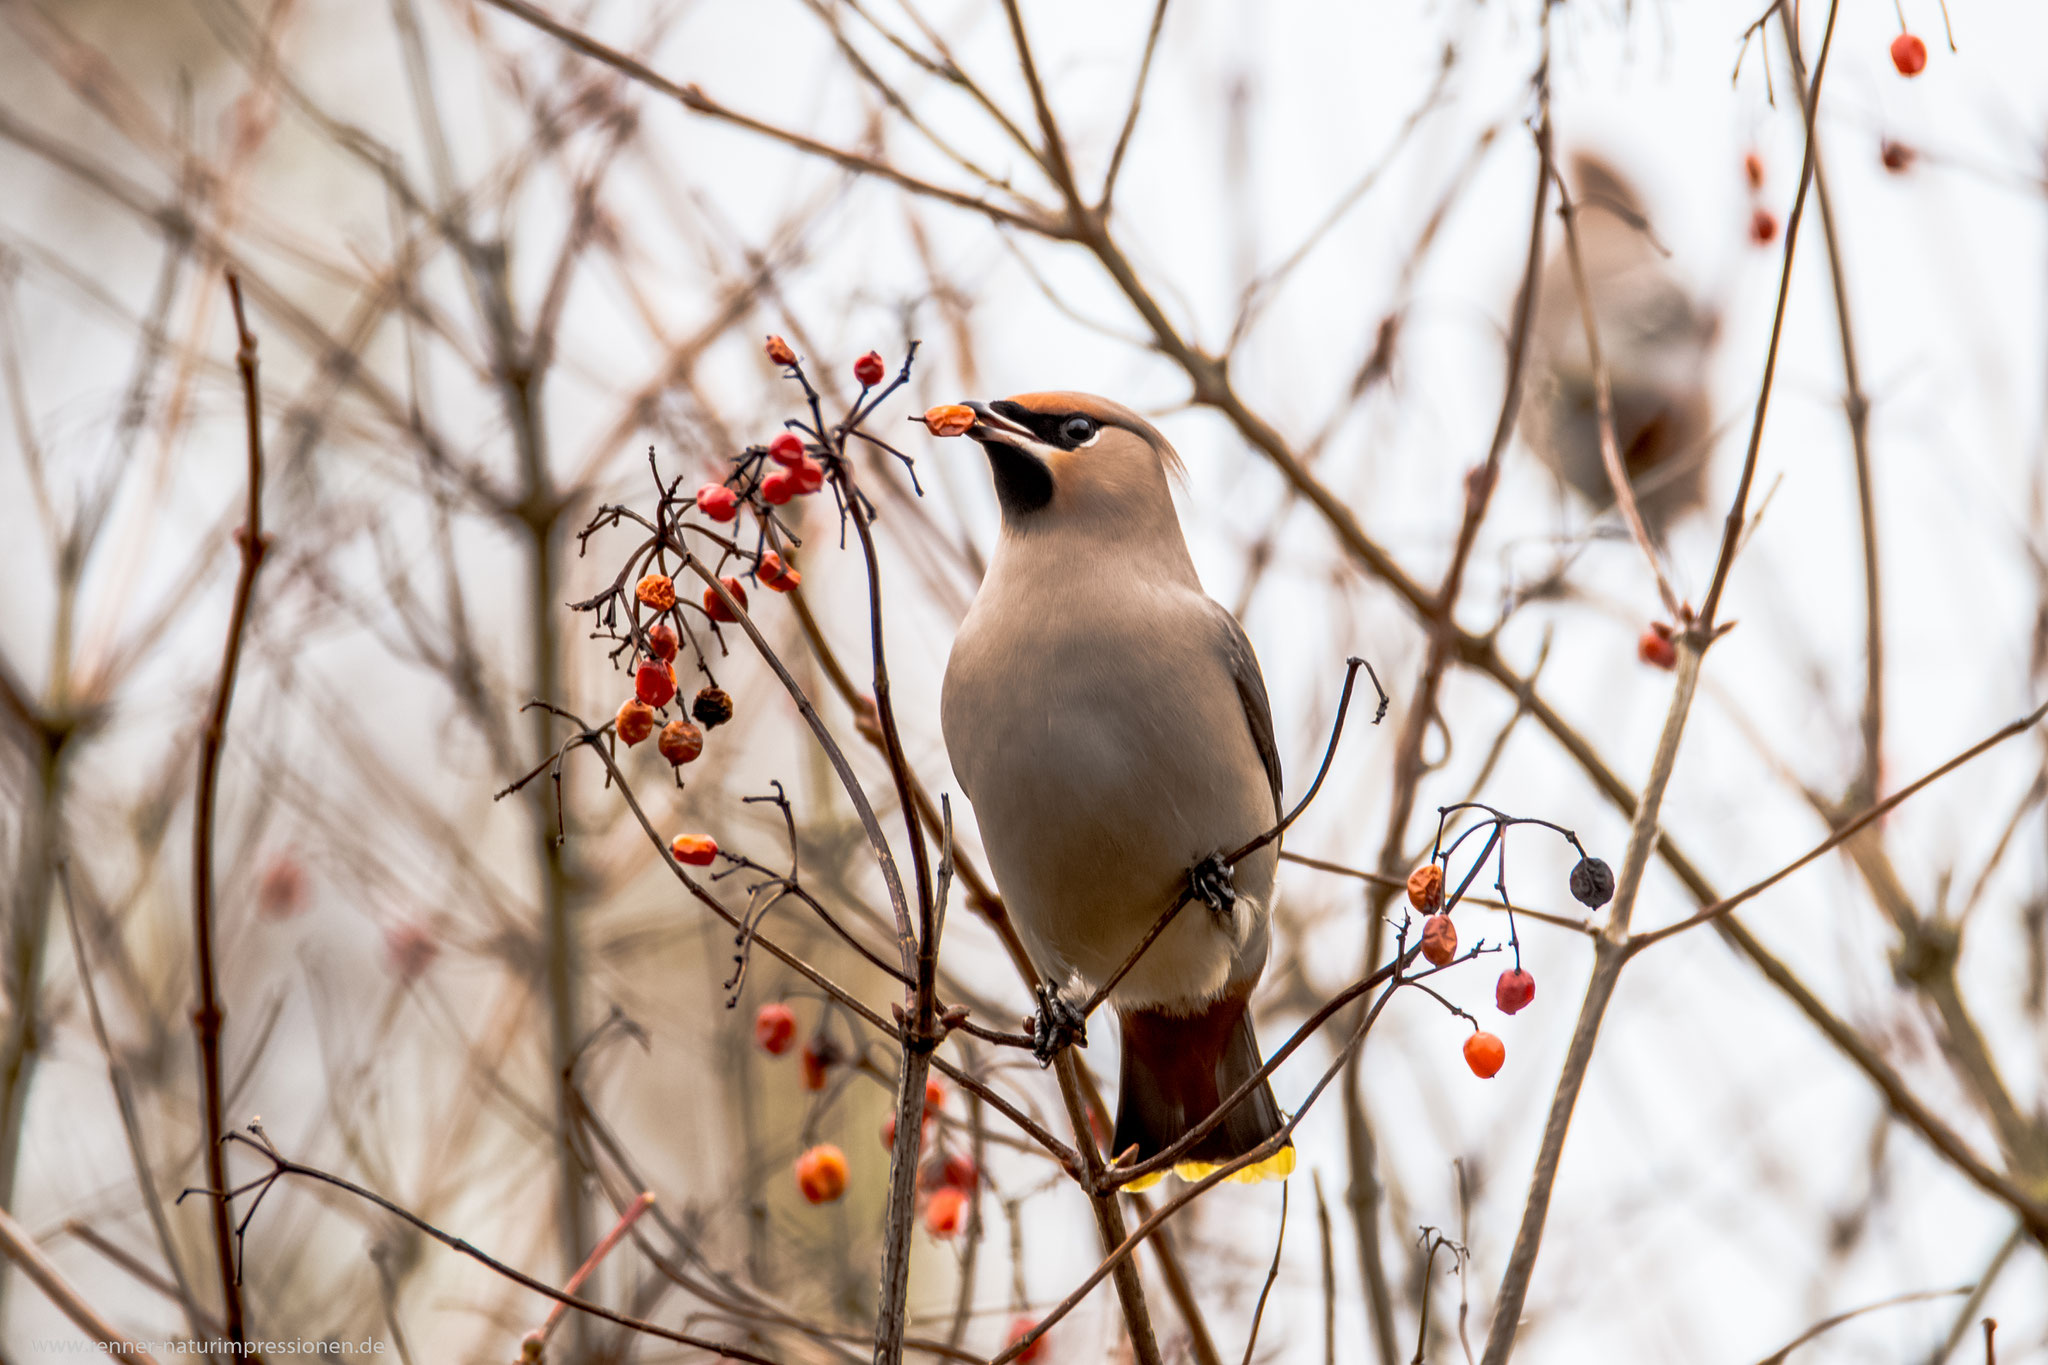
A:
x: 1057, y: 1026
x: 1209, y: 882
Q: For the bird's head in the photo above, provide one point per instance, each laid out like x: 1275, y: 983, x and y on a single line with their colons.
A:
x: 1066, y: 456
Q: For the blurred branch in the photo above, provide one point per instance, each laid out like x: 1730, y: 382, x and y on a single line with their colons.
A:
x: 211, y: 1016
x: 20, y: 1248
x: 1778, y: 1356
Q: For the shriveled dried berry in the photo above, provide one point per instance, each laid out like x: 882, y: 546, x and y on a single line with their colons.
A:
x: 1426, y: 887
x: 949, y: 419
x: 1515, y: 989
x: 680, y: 742
x: 869, y: 370
x: 662, y: 643
x: 1898, y: 158
x: 714, y: 605
x: 1592, y: 883
x: 786, y: 449
x: 657, y: 590
x: 775, y: 1029
x: 1484, y: 1053
x: 821, y: 1173
x: 698, y: 850
x: 712, y: 708
x: 779, y: 352
x: 1439, y: 940
x: 634, y: 722
x: 654, y: 682
x: 718, y: 502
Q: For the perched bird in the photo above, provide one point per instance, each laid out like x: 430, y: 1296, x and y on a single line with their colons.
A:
x: 1109, y: 724
x: 1656, y: 339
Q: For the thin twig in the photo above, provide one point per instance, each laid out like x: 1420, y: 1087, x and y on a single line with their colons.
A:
x: 20, y: 1248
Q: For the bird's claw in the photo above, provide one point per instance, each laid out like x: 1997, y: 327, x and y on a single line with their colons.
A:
x: 1209, y: 882
x: 1056, y: 1026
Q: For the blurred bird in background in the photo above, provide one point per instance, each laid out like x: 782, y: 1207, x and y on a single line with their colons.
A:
x: 1657, y: 340
x: 1110, y: 725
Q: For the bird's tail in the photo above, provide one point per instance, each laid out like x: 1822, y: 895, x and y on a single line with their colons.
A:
x: 1177, y: 1070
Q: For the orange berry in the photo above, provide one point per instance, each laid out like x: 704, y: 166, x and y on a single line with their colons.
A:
x: 1655, y: 647
x: 869, y: 370
x: 1515, y: 989
x: 657, y: 590
x: 680, y: 742
x: 945, y: 1211
x: 698, y: 850
x: 654, y: 682
x: 934, y: 1093
x: 718, y: 502
x: 775, y: 1029
x: 821, y: 1173
x: 1439, y: 940
x: 1753, y: 170
x: 1763, y: 227
x: 662, y: 643
x: 776, y: 575
x: 786, y: 449
x: 634, y: 722
x: 1909, y: 55
x: 1426, y: 887
x: 1484, y: 1053
x: 716, y: 609
x: 779, y: 352
x: 949, y: 419
x: 1021, y: 1328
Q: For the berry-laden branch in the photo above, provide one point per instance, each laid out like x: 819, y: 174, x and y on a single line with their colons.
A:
x: 210, y: 1016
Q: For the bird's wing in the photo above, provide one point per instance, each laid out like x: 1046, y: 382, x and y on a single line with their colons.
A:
x: 1251, y: 690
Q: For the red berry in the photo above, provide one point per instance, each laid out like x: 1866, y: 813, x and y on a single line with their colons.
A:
x: 634, y: 722
x: 662, y: 643
x: 934, y: 1093
x: 775, y: 1029
x: 680, y: 742
x: 958, y: 1172
x: 1439, y: 940
x: 821, y: 1173
x: 808, y: 477
x: 1655, y: 647
x: 779, y: 352
x: 869, y: 370
x: 1426, y: 887
x: 819, y: 1056
x: 945, y: 1211
x: 718, y: 502
x: 1019, y: 1329
x: 1909, y: 55
x: 778, y: 488
x: 1515, y: 989
x: 281, y: 893
x: 698, y: 850
x: 1484, y: 1053
x: 1753, y: 170
x: 409, y: 949
x: 776, y: 575
x: 714, y: 606
x: 654, y: 682
x: 1763, y: 227
x: 657, y: 590
x: 786, y: 449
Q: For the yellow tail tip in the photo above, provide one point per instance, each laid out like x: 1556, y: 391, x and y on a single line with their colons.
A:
x: 1278, y: 1166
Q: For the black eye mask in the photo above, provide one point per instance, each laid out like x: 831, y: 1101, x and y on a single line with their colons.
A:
x: 1062, y: 430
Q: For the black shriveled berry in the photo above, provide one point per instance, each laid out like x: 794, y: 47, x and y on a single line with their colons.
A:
x: 713, y: 708
x: 1593, y: 882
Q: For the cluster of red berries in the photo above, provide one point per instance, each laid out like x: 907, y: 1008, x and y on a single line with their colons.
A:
x: 1763, y: 224
x: 1484, y: 1052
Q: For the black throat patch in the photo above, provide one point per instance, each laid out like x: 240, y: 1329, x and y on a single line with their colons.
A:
x: 1023, y: 483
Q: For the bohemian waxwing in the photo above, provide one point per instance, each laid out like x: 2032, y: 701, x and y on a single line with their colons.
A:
x: 1109, y: 724
x: 1656, y: 340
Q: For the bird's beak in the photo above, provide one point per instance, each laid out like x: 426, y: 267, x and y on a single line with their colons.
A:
x: 991, y: 425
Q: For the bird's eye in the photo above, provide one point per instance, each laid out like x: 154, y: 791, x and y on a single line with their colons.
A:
x: 1078, y: 430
